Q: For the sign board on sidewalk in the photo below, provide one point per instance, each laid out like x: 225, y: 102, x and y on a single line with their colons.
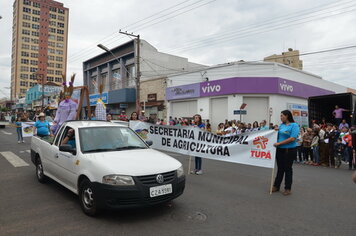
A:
x: 240, y: 112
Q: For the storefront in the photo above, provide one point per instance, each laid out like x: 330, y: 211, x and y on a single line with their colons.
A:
x: 116, y: 101
x: 221, y: 99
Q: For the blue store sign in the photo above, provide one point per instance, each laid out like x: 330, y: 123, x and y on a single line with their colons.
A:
x: 94, y: 98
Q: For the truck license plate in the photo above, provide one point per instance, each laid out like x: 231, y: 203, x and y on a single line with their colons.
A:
x: 161, y: 190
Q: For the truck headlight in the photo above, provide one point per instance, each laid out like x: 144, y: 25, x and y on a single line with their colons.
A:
x: 120, y: 180
x: 180, y: 172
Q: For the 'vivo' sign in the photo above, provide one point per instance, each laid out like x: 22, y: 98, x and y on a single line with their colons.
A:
x: 286, y: 87
x: 211, y: 88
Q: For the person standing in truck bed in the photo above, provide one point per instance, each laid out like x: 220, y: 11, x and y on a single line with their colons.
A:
x: 337, y: 113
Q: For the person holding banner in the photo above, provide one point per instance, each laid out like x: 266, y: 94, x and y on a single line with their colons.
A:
x: 19, y: 130
x: 286, y: 152
x: 42, y: 126
x: 198, y: 160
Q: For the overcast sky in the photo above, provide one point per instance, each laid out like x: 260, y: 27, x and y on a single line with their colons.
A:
x: 209, y: 32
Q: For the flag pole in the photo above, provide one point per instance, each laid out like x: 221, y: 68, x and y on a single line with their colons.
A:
x: 274, y: 167
x: 189, y: 164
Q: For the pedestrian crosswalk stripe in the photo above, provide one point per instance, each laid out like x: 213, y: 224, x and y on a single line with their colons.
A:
x: 7, y: 133
x: 14, y: 159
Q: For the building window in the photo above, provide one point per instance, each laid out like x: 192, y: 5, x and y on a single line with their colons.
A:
x: 26, y: 9
x: 60, y: 45
x: 35, y: 19
x: 52, y: 16
x: 26, y: 39
x: 52, y: 23
x: 130, y: 75
x: 32, y: 84
x: 36, y: 12
x: 51, y: 72
x: 27, y: 2
x: 59, y: 31
x: 33, y: 76
x: 23, y: 90
x: 35, y: 33
x: 33, y: 69
x: 53, y: 9
x: 59, y: 66
x: 50, y: 50
x: 51, y: 64
x: 59, y: 52
x: 25, y: 46
x: 50, y: 78
x: 61, y: 18
x: 35, y: 41
x: 51, y: 44
x: 25, y: 54
x: 26, y: 25
x: 36, y: 4
x: 58, y: 72
x: 34, y: 47
x: 60, y: 25
x: 33, y: 62
x: 34, y: 55
x: 24, y: 76
x: 35, y: 26
x: 58, y: 79
x: 26, y: 17
x: 23, y: 83
x: 59, y: 58
x: 24, y: 68
x: 60, y: 38
x: 61, y: 11
x: 26, y: 32
x: 51, y: 58
x: 52, y: 30
x: 51, y: 36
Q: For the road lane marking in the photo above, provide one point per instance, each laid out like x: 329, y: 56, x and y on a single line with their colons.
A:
x: 6, y: 133
x: 14, y: 159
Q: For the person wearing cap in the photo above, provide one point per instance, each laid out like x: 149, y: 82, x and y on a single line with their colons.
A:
x: 42, y: 126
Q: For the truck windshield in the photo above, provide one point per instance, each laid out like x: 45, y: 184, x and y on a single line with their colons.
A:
x: 106, y: 139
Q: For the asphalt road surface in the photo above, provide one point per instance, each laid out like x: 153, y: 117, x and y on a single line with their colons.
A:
x: 229, y: 199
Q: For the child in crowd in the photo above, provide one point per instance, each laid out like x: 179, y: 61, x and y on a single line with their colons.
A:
x: 339, y: 152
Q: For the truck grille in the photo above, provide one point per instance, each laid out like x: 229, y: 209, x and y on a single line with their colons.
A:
x: 151, y: 179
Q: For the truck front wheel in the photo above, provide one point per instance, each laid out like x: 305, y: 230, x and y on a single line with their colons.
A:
x: 87, y: 198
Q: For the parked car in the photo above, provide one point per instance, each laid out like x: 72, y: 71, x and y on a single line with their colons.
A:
x: 108, y: 165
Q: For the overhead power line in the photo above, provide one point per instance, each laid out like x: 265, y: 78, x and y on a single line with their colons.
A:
x: 139, y: 27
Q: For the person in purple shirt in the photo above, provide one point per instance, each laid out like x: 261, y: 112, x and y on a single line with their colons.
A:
x: 343, y: 124
x: 337, y: 113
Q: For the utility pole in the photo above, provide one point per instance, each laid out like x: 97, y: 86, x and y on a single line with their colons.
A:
x: 138, y: 72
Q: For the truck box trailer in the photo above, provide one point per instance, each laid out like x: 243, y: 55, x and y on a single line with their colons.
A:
x: 320, y: 107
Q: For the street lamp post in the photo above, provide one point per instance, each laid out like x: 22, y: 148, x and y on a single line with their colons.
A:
x: 138, y: 106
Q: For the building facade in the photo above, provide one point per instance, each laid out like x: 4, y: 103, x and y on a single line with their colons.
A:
x: 289, y: 58
x: 118, y: 75
x: 218, y: 92
x: 39, y: 44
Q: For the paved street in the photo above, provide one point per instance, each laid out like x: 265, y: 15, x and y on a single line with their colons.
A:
x: 229, y: 199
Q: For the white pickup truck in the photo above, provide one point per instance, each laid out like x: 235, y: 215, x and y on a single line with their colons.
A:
x: 107, y: 165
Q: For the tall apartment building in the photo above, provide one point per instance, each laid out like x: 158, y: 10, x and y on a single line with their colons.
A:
x: 290, y: 58
x: 39, y: 44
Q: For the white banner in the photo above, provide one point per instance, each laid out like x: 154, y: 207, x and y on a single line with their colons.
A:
x: 251, y: 148
x: 27, y: 129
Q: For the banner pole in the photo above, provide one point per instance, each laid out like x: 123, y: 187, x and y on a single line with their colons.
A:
x: 190, y: 164
x: 274, y: 166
